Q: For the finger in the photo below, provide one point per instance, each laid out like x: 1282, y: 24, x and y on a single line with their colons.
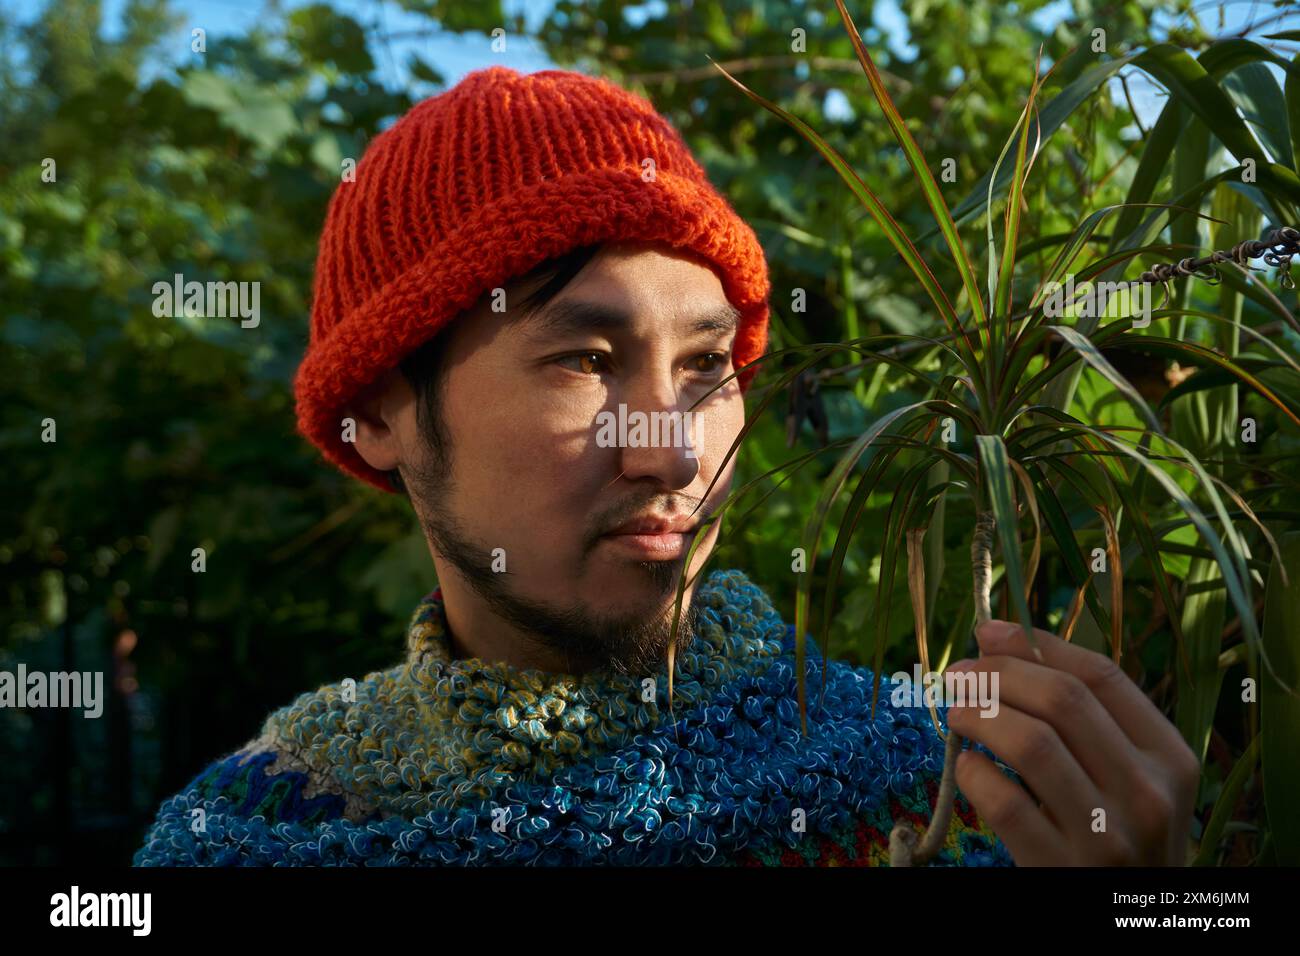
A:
x: 1035, y: 750
x: 1066, y: 703
x: 1008, y: 810
x: 1140, y: 719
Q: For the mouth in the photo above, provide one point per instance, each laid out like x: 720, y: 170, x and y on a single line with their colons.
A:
x: 652, y: 539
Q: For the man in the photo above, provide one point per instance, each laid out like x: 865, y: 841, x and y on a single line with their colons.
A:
x: 520, y: 262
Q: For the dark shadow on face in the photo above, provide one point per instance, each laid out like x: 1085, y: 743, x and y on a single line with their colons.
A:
x: 627, y: 644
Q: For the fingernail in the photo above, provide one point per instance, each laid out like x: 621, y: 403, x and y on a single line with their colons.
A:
x: 962, y: 665
x: 996, y: 630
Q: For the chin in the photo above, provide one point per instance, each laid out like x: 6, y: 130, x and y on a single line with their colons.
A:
x: 650, y: 584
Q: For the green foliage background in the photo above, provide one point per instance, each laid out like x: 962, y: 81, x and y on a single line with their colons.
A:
x: 178, y: 433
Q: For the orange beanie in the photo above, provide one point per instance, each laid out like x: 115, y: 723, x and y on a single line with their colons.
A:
x: 478, y: 185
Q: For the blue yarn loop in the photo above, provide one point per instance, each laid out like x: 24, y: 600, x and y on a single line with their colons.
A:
x: 723, y: 778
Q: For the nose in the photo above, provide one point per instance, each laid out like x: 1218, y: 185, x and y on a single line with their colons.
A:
x: 662, y: 441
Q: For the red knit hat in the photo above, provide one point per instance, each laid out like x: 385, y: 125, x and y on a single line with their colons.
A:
x: 478, y: 185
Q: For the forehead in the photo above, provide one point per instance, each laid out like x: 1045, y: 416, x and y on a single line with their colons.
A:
x: 652, y: 268
x: 626, y: 288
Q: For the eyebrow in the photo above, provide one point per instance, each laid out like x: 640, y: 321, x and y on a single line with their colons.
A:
x: 569, y: 317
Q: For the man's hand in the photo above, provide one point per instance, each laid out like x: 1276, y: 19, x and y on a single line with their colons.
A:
x: 1082, y: 737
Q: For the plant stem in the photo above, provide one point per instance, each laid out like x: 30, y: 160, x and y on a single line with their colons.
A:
x: 906, y: 848
x: 981, y: 560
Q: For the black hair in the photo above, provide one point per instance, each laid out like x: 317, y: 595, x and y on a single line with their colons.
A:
x: 425, y: 370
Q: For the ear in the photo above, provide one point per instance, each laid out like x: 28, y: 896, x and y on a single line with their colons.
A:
x: 380, y: 413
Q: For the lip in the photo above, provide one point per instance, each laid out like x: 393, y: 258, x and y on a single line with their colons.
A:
x: 654, y: 526
x: 653, y: 537
x: 663, y: 546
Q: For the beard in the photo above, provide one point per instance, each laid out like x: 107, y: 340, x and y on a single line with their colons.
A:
x: 626, y: 643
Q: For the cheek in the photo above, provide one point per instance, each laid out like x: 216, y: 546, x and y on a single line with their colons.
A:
x: 520, y: 454
x: 526, y: 478
x: 720, y: 426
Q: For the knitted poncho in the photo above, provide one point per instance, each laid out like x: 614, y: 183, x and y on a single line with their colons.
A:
x: 442, y: 761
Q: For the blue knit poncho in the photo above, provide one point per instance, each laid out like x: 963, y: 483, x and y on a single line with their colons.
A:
x: 440, y: 761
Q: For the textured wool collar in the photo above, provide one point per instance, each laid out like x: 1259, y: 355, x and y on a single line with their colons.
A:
x: 436, y: 761
x: 493, y: 721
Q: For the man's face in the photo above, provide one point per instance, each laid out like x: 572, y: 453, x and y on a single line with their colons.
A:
x: 531, y: 407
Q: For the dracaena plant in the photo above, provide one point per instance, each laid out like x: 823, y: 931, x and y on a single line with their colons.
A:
x: 1000, y: 376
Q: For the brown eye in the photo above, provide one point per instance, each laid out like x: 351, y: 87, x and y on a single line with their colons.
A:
x: 588, y: 362
x: 713, y: 360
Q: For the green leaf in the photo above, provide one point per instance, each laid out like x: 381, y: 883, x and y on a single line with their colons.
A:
x: 1257, y: 95
x: 1231, y: 563
x: 831, y: 488
x: 1293, y: 110
x: 1219, y: 59
x: 998, y: 481
x: 1188, y: 82
x: 921, y: 170
x: 1000, y: 303
x: 1062, y: 531
x: 1053, y: 115
x: 400, y: 575
x: 853, y: 511
x: 422, y: 71
x: 1222, y: 369
x: 257, y: 114
x: 323, y: 35
x: 1229, y: 797
x: 1203, y: 616
x: 1093, y: 357
x: 899, y: 239
x: 1279, y: 709
x: 459, y: 17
